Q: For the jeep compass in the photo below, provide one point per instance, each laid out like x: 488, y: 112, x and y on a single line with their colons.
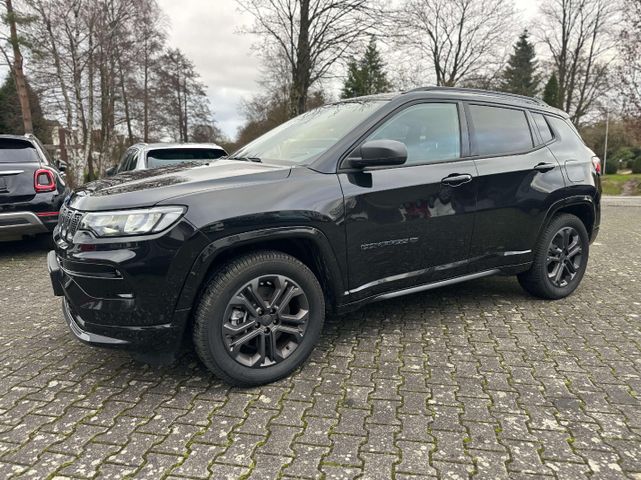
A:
x: 362, y: 200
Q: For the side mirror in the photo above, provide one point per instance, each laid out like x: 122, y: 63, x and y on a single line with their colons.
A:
x: 378, y: 153
x: 111, y: 171
x: 62, y: 166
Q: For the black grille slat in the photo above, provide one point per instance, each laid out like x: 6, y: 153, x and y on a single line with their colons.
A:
x: 73, y: 227
x: 68, y: 223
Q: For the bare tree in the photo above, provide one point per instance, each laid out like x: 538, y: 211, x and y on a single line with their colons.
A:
x: 580, y: 35
x: 310, y: 36
x: 462, y: 39
x: 13, y: 18
x: 185, y: 99
x: 102, y: 68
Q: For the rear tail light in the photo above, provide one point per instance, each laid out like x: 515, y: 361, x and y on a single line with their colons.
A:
x: 596, y: 162
x: 43, y: 181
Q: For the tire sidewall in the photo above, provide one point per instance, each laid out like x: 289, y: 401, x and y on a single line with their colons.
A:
x: 214, y: 311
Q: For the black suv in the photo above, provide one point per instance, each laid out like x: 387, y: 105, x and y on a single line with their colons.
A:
x: 32, y: 188
x: 362, y: 200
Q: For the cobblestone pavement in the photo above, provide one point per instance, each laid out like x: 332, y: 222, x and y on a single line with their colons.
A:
x: 476, y: 380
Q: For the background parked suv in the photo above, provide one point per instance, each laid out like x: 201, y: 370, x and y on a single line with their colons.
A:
x: 358, y: 201
x: 143, y: 156
x: 32, y: 188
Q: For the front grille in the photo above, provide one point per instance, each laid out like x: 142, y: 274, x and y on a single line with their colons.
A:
x: 68, y: 223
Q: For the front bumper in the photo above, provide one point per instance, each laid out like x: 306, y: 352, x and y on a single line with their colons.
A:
x: 161, y: 338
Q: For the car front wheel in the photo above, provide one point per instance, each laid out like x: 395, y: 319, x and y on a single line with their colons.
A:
x: 259, y: 318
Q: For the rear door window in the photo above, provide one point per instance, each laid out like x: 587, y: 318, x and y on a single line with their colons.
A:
x: 172, y: 156
x: 499, y: 130
x: 543, y: 127
x: 17, y: 151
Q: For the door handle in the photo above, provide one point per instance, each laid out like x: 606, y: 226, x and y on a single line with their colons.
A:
x: 456, y: 179
x: 544, y: 167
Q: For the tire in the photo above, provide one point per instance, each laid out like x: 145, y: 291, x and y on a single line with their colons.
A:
x: 556, y: 249
x: 247, y: 343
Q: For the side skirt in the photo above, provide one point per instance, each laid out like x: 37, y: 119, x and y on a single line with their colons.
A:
x: 430, y: 286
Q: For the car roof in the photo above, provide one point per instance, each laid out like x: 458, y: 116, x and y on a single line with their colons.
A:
x: 469, y: 94
x: 15, y: 137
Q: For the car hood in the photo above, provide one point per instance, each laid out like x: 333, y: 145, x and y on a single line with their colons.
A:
x: 148, y: 187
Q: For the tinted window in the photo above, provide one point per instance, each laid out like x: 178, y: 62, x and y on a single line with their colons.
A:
x: 544, y: 128
x: 171, y: 156
x: 430, y: 131
x: 500, y: 130
x: 17, y: 151
x: 128, y: 161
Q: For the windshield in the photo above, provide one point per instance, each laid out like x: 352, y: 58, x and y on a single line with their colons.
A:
x: 172, y: 156
x: 304, y: 138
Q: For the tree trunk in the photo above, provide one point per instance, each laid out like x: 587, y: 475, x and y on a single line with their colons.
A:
x: 145, y: 95
x: 88, y: 144
x: 301, y: 70
x: 125, y: 102
x: 18, y: 73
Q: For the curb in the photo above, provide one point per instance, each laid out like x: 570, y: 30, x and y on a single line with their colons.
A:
x: 620, y: 201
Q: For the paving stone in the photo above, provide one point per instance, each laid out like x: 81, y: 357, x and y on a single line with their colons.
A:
x: 345, y: 449
x: 157, y: 466
x: 415, y: 458
x: 198, y: 459
x: 378, y: 465
x: 227, y: 472
x: 240, y: 451
x: 269, y: 466
x: 306, y: 461
x: 339, y: 472
x: 489, y: 465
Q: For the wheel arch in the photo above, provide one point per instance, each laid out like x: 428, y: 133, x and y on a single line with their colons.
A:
x: 582, y: 207
x: 307, y: 244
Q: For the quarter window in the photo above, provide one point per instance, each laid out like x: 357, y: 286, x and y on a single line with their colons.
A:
x: 566, y: 132
x: 500, y: 130
x: 544, y: 128
x: 430, y: 131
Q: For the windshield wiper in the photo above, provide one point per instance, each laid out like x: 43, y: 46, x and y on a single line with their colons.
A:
x: 245, y: 159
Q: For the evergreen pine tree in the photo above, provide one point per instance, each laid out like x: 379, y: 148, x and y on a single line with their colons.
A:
x: 11, y: 115
x: 520, y: 74
x: 551, y: 91
x: 367, y: 75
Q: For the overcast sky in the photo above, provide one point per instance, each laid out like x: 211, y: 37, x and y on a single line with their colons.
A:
x: 207, y: 31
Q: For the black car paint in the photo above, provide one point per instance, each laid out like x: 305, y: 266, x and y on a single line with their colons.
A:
x: 19, y: 195
x: 368, y: 233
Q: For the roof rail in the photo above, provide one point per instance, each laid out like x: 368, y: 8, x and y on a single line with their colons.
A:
x: 481, y: 92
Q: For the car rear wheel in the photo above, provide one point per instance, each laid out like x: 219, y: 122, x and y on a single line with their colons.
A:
x: 560, y: 259
x: 259, y: 318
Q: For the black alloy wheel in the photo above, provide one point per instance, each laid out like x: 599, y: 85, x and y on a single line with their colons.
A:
x: 265, y: 321
x: 564, y: 257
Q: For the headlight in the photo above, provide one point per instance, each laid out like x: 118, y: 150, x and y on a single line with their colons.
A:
x: 131, y: 222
